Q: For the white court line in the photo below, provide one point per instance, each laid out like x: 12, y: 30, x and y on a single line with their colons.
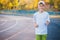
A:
x: 9, y: 27
x: 3, y: 23
x: 54, y: 16
x: 16, y: 34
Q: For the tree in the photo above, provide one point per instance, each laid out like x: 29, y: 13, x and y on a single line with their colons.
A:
x: 58, y: 3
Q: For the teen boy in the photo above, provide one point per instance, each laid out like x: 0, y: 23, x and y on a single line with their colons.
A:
x: 41, y: 20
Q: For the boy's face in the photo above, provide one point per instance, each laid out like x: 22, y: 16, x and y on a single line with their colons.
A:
x: 41, y: 7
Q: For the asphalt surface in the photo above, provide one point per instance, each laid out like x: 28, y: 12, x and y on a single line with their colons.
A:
x: 16, y: 28
x: 21, y: 28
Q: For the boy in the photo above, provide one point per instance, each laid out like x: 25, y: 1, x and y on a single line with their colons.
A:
x: 41, y: 20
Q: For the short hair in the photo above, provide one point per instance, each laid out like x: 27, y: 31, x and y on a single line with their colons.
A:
x: 41, y: 2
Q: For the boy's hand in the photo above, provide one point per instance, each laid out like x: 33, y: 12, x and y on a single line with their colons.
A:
x: 35, y: 25
x: 47, y: 22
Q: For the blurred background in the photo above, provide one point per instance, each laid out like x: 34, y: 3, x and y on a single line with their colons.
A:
x: 27, y: 4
